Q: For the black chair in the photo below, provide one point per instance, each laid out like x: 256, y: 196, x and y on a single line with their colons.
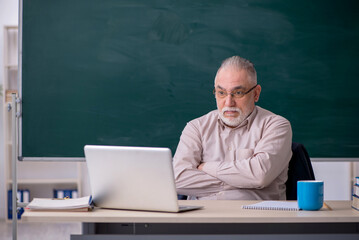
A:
x: 300, y: 168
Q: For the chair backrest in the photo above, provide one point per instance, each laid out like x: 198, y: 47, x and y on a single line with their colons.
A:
x: 300, y: 168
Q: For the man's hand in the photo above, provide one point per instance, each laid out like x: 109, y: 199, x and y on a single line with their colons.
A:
x: 200, y: 167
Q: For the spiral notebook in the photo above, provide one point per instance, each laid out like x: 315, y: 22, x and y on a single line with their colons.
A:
x: 274, y: 205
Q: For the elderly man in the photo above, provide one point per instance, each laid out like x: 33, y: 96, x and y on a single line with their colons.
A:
x: 239, y: 151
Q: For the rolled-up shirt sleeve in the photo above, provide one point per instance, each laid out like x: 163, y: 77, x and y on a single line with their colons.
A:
x: 189, y: 180
x: 270, y: 157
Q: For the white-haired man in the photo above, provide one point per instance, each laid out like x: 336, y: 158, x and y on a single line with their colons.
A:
x: 239, y: 151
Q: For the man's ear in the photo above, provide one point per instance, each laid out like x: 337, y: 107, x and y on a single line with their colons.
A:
x: 257, y: 92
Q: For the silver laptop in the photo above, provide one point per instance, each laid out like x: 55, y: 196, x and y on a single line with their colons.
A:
x: 135, y: 178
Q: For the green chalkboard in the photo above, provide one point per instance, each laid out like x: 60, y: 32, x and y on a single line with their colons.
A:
x: 135, y: 72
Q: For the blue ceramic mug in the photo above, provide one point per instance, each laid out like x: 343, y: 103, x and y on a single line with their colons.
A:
x: 310, y: 195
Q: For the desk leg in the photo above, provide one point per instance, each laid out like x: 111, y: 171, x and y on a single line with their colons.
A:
x: 88, y: 228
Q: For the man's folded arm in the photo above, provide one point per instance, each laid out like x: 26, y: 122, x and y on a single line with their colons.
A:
x: 271, y: 156
x: 189, y: 180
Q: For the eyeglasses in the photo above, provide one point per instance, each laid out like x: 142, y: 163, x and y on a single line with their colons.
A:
x: 235, y: 93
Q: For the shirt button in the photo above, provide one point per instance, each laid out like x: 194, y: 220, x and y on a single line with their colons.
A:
x: 230, y: 149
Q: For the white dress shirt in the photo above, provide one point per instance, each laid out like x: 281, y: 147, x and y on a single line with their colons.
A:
x: 247, y: 162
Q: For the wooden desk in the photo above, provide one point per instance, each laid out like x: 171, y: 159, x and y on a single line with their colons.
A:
x: 217, y: 217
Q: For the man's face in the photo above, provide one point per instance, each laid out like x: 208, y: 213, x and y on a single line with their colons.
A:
x: 234, y: 110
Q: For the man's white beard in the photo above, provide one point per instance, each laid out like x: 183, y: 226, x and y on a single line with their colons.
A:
x: 233, y: 122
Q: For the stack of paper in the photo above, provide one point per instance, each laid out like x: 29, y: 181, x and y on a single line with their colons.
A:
x: 71, y: 204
